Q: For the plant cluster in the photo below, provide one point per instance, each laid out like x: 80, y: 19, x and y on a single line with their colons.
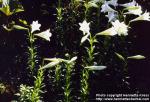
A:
x: 91, y: 37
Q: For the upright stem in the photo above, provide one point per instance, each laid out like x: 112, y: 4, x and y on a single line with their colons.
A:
x: 91, y: 49
x: 38, y: 85
x: 85, y: 72
x: 32, y: 52
x: 59, y: 11
x: 57, y: 75
x: 84, y: 85
x: 67, y: 90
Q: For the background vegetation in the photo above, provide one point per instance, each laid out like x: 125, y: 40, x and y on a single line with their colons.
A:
x: 65, y: 43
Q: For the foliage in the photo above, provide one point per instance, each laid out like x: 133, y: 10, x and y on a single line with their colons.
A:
x: 96, y: 32
x: 32, y: 94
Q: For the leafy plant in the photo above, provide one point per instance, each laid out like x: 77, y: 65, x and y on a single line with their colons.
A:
x: 94, y: 31
x: 32, y: 94
x: 69, y: 64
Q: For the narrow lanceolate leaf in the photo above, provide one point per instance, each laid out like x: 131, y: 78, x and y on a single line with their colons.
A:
x: 137, y: 57
x: 96, y: 67
x: 120, y: 56
x: 92, y: 4
x: 50, y: 65
x: 18, y: 10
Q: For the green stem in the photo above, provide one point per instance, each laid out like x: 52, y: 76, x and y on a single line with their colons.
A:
x: 85, y: 72
x: 57, y: 74
x: 32, y: 52
x: 91, y: 48
x: 67, y: 89
x: 59, y: 11
x: 84, y: 85
x: 86, y: 8
x: 38, y: 85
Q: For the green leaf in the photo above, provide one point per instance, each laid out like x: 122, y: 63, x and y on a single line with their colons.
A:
x: 18, y: 10
x: 95, y: 41
x: 120, y: 56
x: 92, y: 4
x: 96, y: 67
x: 6, y: 10
x: 137, y: 57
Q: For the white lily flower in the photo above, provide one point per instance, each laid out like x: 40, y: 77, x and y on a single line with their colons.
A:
x: 109, y: 32
x: 120, y: 27
x: 133, y: 3
x: 45, y: 35
x: 111, y: 16
x: 35, y: 26
x: 136, y: 10
x: 5, y: 3
x: 145, y: 16
x: 113, y: 2
x: 106, y: 8
x: 84, y: 27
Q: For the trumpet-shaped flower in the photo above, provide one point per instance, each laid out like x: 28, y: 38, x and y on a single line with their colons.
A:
x: 106, y: 8
x: 130, y: 4
x: 45, y: 35
x: 84, y: 27
x: 113, y: 2
x: 35, y: 26
x: 145, y: 16
x: 111, y: 16
x: 120, y: 27
x: 136, y: 10
x: 109, y: 32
